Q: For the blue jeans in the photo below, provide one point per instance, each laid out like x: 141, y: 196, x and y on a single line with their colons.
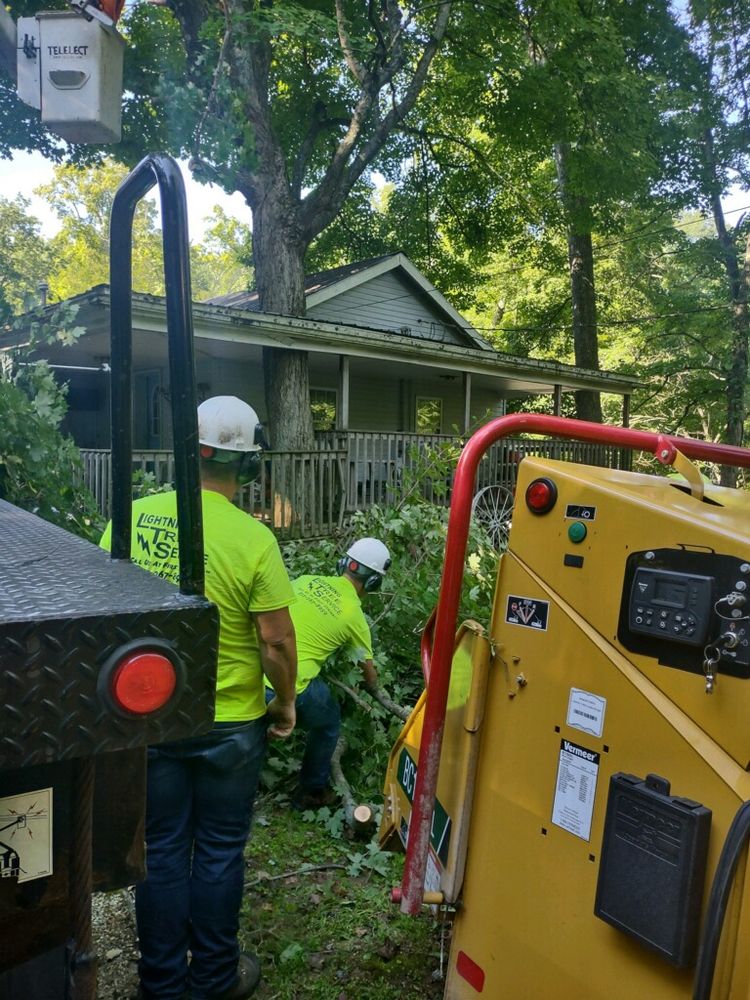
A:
x: 317, y: 712
x: 199, y: 806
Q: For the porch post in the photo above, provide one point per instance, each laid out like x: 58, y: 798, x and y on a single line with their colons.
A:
x: 467, y: 402
x: 557, y: 401
x: 626, y: 409
x: 342, y: 410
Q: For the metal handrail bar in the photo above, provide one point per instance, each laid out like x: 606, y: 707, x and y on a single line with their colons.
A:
x: 164, y: 171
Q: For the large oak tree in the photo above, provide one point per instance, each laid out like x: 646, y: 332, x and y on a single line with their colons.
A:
x: 290, y: 104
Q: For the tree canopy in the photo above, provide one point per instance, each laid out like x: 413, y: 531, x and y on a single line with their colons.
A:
x: 535, y: 160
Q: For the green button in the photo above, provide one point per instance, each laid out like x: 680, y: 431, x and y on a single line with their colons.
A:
x: 577, y: 532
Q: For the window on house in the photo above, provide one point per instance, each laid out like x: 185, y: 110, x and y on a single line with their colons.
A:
x: 323, y: 406
x: 429, y: 416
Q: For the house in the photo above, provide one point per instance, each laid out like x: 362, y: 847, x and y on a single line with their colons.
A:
x: 388, y: 357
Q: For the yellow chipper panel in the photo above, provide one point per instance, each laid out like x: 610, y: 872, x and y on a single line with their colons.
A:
x: 606, y: 747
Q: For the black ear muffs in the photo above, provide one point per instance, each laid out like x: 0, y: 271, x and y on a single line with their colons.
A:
x: 370, y: 581
x: 249, y: 468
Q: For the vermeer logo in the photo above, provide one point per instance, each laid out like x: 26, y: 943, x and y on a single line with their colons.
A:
x: 577, y: 751
x: 527, y: 611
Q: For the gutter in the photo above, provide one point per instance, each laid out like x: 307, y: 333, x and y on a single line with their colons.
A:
x: 229, y: 324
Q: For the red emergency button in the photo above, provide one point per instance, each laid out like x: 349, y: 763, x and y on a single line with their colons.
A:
x: 541, y: 495
x: 143, y: 682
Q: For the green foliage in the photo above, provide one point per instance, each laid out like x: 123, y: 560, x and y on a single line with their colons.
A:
x: 415, y: 533
x: 25, y: 256
x: 77, y: 257
x: 40, y: 468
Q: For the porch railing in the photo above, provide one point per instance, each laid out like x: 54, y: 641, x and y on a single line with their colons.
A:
x: 299, y: 494
x: 381, y: 465
x: 307, y: 493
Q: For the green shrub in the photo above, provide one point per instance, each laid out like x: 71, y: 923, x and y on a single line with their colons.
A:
x: 40, y: 469
x: 415, y: 535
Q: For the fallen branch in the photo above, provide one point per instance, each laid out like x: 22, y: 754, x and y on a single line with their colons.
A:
x: 359, y: 818
x: 340, y: 783
x: 353, y: 695
x: 379, y: 695
x: 398, y: 710
x: 297, y: 871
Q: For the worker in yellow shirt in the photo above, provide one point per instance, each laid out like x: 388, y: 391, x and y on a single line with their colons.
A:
x: 327, y: 616
x: 200, y: 791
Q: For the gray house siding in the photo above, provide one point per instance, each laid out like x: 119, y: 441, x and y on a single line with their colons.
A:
x: 389, y: 302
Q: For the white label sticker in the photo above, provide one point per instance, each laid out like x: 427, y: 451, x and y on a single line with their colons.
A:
x: 577, y: 771
x: 586, y: 711
x: 26, y: 835
x: 432, y: 874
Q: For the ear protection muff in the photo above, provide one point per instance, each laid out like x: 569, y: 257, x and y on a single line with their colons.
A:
x: 250, y: 466
x: 370, y: 581
x: 249, y: 463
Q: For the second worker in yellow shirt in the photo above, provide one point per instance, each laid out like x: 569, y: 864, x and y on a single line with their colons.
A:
x: 328, y: 616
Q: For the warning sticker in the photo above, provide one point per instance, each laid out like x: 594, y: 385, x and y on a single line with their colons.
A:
x: 26, y: 835
x: 586, y: 711
x: 527, y: 611
x: 577, y: 771
x: 580, y: 512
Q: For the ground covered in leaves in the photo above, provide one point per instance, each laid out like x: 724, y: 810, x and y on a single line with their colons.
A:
x: 317, y: 914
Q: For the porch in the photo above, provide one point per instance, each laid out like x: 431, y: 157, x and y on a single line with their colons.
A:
x: 308, y: 494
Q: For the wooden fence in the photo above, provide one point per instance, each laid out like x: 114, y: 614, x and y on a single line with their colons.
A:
x: 306, y: 494
x: 299, y: 494
x: 381, y: 467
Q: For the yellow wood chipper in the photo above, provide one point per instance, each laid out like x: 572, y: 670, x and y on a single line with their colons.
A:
x: 574, y: 781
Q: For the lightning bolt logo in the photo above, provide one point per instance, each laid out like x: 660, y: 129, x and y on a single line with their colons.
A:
x: 144, y: 543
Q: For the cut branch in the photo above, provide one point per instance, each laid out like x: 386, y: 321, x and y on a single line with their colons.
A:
x: 341, y: 784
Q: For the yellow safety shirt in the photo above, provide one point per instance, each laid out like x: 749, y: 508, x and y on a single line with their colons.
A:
x: 327, y: 616
x: 244, y: 574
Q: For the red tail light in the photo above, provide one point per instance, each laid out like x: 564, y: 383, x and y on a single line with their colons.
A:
x: 141, y: 678
x: 143, y: 682
x: 541, y: 496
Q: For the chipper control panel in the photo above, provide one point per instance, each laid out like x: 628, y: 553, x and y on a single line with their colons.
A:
x: 678, y: 598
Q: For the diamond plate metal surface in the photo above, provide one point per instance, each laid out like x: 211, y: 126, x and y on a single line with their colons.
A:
x: 65, y: 607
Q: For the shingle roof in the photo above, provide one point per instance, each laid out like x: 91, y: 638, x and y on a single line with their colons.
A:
x: 313, y: 283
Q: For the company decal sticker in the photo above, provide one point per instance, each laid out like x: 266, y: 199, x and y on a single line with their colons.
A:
x: 580, y: 512
x: 586, y: 711
x: 527, y: 611
x: 575, y: 789
x: 440, y: 831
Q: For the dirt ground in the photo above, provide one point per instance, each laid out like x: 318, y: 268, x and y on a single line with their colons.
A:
x: 317, y: 914
x: 116, y: 944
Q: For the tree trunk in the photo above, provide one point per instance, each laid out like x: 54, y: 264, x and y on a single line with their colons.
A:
x: 585, y: 340
x: 582, y: 289
x: 278, y: 256
x: 287, y: 387
x: 737, y: 369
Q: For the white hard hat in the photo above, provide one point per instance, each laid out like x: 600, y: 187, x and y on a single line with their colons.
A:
x: 225, y: 422
x: 372, y: 553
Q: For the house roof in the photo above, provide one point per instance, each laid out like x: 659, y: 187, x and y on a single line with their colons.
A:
x: 313, y: 283
x: 325, y: 285
x: 229, y: 330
